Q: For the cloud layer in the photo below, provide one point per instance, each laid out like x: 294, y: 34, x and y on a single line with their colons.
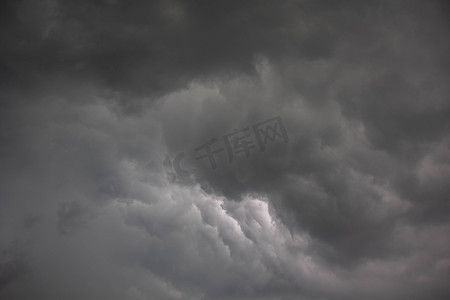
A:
x: 97, y: 99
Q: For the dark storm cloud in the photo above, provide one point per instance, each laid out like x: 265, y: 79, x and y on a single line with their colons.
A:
x: 156, y: 46
x: 96, y: 94
x: 362, y: 119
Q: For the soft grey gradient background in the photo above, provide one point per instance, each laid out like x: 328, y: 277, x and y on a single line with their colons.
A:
x: 94, y: 95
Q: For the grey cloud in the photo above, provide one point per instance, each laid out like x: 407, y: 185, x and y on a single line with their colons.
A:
x: 95, y: 95
x: 154, y: 47
x: 14, y: 264
x: 401, y: 113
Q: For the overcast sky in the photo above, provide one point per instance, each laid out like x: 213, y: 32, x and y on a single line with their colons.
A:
x: 328, y: 130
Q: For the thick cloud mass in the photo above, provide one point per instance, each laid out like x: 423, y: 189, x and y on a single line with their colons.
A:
x: 104, y: 103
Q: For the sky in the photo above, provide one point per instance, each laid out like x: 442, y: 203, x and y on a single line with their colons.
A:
x: 228, y: 150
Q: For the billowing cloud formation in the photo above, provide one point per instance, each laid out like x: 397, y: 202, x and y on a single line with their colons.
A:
x: 100, y: 98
